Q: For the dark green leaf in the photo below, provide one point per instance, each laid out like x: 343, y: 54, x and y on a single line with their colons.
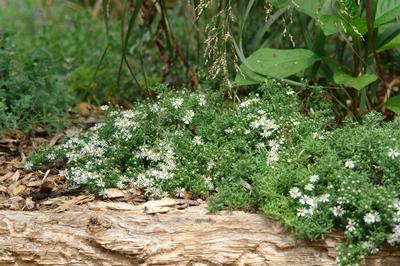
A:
x: 394, y: 104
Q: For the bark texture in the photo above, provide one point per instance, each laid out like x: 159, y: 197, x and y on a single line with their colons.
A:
x: 158, y: 233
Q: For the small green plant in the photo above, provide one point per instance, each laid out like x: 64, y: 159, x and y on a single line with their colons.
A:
x: 259, y: 153
x: 31, y: 93
x: 346, y: 178
x: 183, y: 141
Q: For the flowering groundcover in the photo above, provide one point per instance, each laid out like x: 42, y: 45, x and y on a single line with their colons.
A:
x: 261, y: 152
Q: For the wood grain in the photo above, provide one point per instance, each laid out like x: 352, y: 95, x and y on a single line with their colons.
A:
x: 123, y: 234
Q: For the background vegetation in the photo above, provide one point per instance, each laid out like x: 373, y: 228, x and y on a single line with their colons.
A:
x: 273, y: 105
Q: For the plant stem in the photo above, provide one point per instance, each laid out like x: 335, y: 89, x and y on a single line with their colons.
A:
x: 371, y: 39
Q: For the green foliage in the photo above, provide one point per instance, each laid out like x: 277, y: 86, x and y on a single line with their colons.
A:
x: 348, y: 49
x: 275, y: 63
x: 347, y: 178
x: 261, y: 152
x: 31, y: 93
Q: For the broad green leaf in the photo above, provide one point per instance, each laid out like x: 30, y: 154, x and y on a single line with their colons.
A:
x: 357, y: 83
x: 387, y: 33
x: 342, y: 78
x: 277, y: 63
x: 312, y: 8
x: 329, y: 24
x: 395, y: 42
x: 394, y: 104
x: 386, y: 11
x: 246, y: 80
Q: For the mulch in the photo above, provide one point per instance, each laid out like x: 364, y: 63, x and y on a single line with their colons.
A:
x: 46, y: 189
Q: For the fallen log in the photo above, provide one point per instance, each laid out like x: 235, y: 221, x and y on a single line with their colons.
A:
x: 159, y: 233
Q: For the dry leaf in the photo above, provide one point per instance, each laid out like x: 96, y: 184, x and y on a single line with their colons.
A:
x: 83, y: 108
x: 55, y: 139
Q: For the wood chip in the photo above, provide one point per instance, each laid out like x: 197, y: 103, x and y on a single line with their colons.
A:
x: 157, y: 210
x: 29, y: 204
x: 113, y: 193
x: 3, y: 189
x: 160, y: 203
x: 72, y: 202
x: 120, y: 206
x: 18, y: 190
x: 6, y: 176
x: 15, y: 176
x: 17, y: 203
x: 35, y: 183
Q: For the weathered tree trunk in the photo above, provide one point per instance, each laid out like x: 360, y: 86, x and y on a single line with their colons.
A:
x: 158, y: 234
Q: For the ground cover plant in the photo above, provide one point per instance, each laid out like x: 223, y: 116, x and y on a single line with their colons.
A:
x: 259, y: 153
x: 28, y: 90
x: 284, y: 107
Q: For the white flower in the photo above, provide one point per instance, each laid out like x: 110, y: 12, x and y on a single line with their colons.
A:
x: 177, y: 103
x: 393, y: 153
x: 202, y: 100
x: 337, y: 211
x: 28, y: 166
x: 187, y: 119
x: 247, y: 103
x: 296, y: 123
x: 210, y: 165
x: 307, y: 200
x: 324, y: 198
x: 104, y: 107
x: 371, y: 217
x: 316, y: 135
x: 302, y: 212
x: 260, y: 145
x: 351, y: 226
x: 266, y: 133
x: 314, y: 178
x: 272, y: 157
x: 349, y: 164
x: 229, y: 131
x: 247, y: 132
x: 197, y: 140
x: 180, y: 192
x: 155, y: 108
x: 295, y: 193
x: 312, y: 202
x: 290, y: 92
x: 309, y: 187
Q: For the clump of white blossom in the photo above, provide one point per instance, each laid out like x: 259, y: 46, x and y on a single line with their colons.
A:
x: 258, y: 149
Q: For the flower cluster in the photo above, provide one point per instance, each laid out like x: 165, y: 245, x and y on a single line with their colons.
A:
x: 394, y: 237
x: 297, y: 168
x: 308, y: 201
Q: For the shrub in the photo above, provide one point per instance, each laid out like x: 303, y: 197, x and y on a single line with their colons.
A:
x: 346, y: 178
x: 30, y: 92
x: 262, y: 152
